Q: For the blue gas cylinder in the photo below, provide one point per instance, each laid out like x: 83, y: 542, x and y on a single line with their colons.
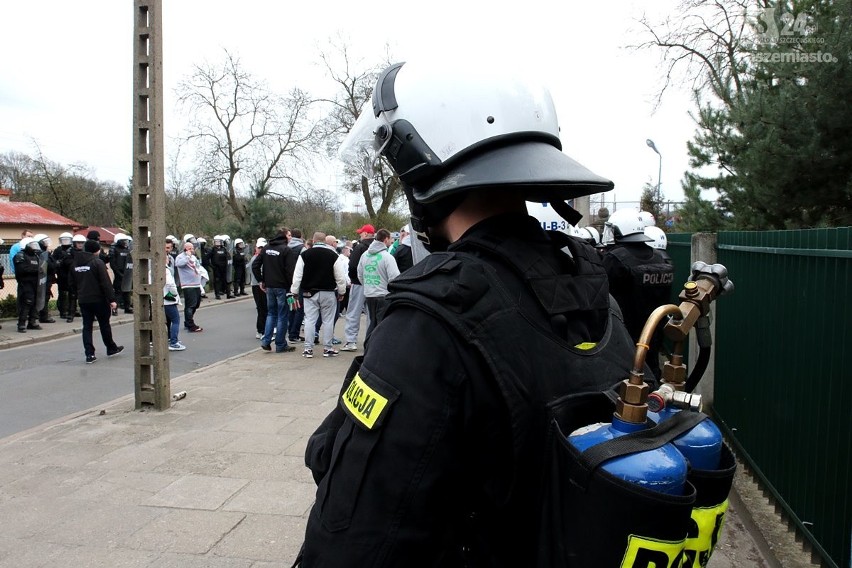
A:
x: 663, y: 469
x: 701, y: 445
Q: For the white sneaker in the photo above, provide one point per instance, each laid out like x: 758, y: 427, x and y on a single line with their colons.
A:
x: 177, y: 346
x: 350, y: 346
x: 258, y: 335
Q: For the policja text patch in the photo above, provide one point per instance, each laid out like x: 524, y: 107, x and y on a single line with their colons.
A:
x: 367, y: 400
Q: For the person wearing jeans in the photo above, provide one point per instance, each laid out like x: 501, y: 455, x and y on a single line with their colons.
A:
x: 277, y: 314
x: 171, y: 301
x: 274, y: 271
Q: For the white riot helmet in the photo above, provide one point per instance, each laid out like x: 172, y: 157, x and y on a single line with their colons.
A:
x: 121, y: 237
x: 30, y: 243
x: 65, y: 239
x: 626, y: 226
x: 591, y: 235
x: 189, y: 238
x: 42, y: 240
x: 647, y: 218
x: 218, y: 240
x: 238, y: 242
x: 658, y: 237
x: 78, y: 238
x: 261, y: 242
x: 447, y: 129
x: 171, y: 238
x: 573, y: 231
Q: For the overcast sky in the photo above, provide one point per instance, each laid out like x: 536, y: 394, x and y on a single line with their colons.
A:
x: 65, y: 76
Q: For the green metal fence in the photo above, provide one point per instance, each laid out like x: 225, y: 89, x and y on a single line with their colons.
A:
x: 783, y: 385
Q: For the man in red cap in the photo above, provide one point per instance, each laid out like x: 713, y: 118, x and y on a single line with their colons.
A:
x: 356, y: 292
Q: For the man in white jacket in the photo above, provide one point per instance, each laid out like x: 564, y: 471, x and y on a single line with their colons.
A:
x: 376, y: 268
x: 322, y: 281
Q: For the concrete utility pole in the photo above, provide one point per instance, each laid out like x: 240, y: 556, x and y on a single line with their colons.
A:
x: 151, y: 361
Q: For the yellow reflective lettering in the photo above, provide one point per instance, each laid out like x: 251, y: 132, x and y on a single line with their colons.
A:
x: 651, y: 553
x: 364, y: 403
x: 708, y: 521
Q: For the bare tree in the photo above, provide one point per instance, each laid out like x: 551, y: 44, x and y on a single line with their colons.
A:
x: 705, y: 44
x: 245, y: 134
x: 355, y: 81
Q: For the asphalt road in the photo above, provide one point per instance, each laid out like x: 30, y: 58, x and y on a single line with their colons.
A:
x: 45, y: 381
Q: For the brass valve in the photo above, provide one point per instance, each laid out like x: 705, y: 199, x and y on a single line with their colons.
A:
x: 706, y: 283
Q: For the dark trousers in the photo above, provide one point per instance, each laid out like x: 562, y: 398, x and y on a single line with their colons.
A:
x: 239, y: 279
x: 191, y: 301
x: 220, y: 281
x: 259, y: 303
x: 96, y: 311
x: 27, y: 312
x: 296, y: 319
x: 64, y: 299
x: 375, y: 310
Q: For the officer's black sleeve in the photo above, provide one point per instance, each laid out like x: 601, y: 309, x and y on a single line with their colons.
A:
x: 396, y: 488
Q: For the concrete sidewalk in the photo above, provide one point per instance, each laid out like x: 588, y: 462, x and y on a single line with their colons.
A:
x: 216, y: 481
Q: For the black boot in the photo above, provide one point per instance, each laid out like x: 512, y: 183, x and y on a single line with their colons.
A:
x: 33, y: 325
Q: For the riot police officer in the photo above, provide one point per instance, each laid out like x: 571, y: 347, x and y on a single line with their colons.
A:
x: 26, y: 262
x: 240, y: 268
x: 77, y: 243
x: 219, y: 259
x: 639, y: 279
x: 121, y: 262
x: 434, y: 454
x: 46, y: 279
x: 60, y: 255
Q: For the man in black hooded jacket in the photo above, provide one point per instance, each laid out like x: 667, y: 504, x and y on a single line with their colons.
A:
x: 96, y: 297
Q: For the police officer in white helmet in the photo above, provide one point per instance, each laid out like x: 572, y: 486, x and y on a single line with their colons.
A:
x: 639, y: 279
x: 434, y: 453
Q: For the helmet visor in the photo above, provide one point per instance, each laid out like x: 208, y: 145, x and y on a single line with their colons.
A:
x: 362, y: 148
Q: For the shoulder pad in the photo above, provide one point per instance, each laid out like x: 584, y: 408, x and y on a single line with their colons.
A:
x: 455, y: 280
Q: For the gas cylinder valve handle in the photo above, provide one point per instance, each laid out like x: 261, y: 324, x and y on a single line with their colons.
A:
x: 668, y: 395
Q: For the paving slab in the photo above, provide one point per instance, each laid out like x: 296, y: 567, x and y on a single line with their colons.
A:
x: 216, y: 481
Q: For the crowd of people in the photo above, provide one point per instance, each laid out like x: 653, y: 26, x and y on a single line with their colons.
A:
x: 299, y: 283
x: 287, y: 275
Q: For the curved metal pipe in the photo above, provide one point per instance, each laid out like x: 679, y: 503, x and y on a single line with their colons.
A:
x: 651, y: 324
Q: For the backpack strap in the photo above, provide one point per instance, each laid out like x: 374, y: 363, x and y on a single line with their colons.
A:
x: 635, y: 442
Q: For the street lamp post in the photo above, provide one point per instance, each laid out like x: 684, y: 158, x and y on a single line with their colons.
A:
x: 651, y: 145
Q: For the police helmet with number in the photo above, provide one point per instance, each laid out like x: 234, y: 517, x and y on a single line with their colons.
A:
x: 626, y: 226
x: 447, y: 129
x: 658, y: 238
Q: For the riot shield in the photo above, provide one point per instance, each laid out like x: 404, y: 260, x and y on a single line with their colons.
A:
x: 41, y: 292
x: 127, y: 279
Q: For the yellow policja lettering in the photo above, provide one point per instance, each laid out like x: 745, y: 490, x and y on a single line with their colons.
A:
x: 650, y: 553
x: 708, y: 523
x: 365, y: 404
